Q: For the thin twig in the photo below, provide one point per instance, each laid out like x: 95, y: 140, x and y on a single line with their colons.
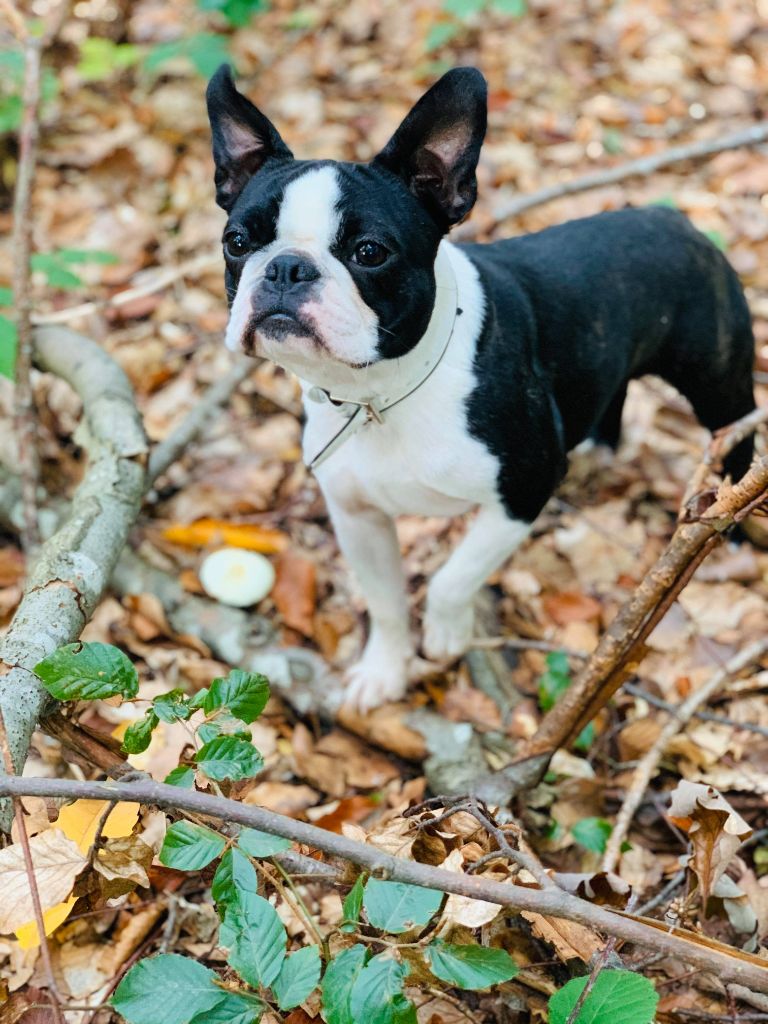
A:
x: 24, y: 406
x: 647, y: 766
x: 728, y: 963
x: 169, y: 450
x: 21, y: 825
x: 705, y: 716
x: 642, y: 167
x: 674, y: 883
x: 525, y: 860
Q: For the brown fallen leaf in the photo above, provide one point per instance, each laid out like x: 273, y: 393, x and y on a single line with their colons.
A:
x: 715, y: 829
x: 57, y: 863
x: 295, y: 591
x: 11, y: 566
x: 239, y: 535
x: 571, y: 606
x: 571, y: 941
x: 123, y: 861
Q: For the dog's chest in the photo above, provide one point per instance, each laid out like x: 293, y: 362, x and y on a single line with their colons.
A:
x: 421, y: 461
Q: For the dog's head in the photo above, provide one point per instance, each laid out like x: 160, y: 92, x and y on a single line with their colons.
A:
x: 330, y: 261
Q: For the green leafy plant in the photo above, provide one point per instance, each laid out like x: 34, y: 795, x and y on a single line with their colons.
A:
x: 359, y: 982
x: 237, y: 12
x: 461, y: 11
x: 56, y: 265
x: 592, y: 833
x: 615, y: 996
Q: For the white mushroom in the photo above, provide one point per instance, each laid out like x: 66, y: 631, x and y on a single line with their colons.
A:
x: 237, y: 577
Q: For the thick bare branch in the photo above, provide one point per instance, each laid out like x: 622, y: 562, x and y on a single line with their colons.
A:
x: 75, y: 564
x: 728, y: 963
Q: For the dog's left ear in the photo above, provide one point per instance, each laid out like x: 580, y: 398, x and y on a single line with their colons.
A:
x: 243, y: 138
x: 436, y: 148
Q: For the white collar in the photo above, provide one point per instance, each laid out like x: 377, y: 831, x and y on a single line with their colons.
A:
x: 367, y: 395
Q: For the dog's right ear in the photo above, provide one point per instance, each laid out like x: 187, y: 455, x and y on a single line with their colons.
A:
x: 243, y: 138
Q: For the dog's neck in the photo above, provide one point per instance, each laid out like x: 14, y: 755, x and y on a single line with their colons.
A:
x: 388, y: 380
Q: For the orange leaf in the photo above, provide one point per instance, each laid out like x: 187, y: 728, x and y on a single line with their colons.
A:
x: 571, y: 606
x: 239, y: 535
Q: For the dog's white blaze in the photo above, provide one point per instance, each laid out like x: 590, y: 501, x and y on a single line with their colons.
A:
x: 309, y: 211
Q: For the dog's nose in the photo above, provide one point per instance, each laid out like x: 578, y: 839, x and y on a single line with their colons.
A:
x: 289, y: 270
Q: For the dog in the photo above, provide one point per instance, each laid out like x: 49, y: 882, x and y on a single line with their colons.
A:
x: 441, y: 378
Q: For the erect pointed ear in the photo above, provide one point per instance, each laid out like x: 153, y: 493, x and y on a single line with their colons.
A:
x: 243, y: 138
x: 436, y: 148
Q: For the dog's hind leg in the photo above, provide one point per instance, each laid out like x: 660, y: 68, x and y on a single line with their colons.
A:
x: 607, y: 430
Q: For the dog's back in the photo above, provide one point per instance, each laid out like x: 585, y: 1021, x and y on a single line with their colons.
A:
x: 618, y: 295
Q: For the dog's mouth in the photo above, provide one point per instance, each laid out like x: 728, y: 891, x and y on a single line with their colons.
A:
x: 277, y: 325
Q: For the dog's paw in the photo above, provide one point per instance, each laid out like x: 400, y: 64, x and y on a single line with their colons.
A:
x: 373, y: 682
x: 447, y: 634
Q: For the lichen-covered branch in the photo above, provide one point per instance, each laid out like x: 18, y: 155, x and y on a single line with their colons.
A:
x: 74, y: 566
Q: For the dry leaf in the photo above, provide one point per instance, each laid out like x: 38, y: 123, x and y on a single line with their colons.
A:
x: 461, y: 910
x: 57, y: 862
x: 571, y: 940
x: 715, y: 829
x: 295, y: 591
x: 125, y: 860
x: 79, y: 821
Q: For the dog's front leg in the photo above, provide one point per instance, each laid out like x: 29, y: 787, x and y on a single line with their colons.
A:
x: 449, y: 617
x: 369, y: 542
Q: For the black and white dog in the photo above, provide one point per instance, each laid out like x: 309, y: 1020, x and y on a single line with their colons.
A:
x: 439, y: 378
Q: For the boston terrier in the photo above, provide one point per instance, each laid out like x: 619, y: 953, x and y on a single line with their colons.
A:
x: 441, y: 378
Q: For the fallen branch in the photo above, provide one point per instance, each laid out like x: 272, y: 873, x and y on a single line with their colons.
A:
x: 649, y: 762
x: 621, y: 646
x: 704, y: 716
x: 728, y: 963
x: 640, y: 168
x: 74, y: 566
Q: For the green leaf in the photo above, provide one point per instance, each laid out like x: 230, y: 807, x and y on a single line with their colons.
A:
x: 99, y: 256
x: 209, y: 731
x: 190, y: 847
x: 244, y: 694
x: 377, y: 995
x: 100, y: 58
x: 514, y: 8
x: 88, y: 672
x: 557, y: 661
x: 592, y: 833
x: 9, y: 344
x: 6, y: 297
x: 395, y: 907
x: 617, y: 996
x: 585, y: 739
x: 168, y: 988
x: 339, y: 978
x: 234, y: 875
x: 255, y: 938
x: 182, y: 776
x: 237, y: 12
x: 440, y: 34
x: 464, y: 8
x: 197, y: 700
x: 555, y: 681
x: 172, y: 706
x: 139, y: 735
x: 353, y: 905
x: 229, y: 757
x: 204, y: 51
x: 469, y: 967
x: 298, y: 977
x: 261, y: 844
x: 233, y: 1008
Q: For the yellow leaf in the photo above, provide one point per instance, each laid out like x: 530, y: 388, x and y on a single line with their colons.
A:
x: 238, y: 535
x: 27, y: 933
x: 80, y: 820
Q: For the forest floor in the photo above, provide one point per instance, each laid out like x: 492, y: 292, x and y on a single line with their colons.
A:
x: 125, y: 168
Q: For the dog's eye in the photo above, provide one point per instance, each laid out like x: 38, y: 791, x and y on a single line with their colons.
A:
x: 370, y: 254
x: 236, y: 244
